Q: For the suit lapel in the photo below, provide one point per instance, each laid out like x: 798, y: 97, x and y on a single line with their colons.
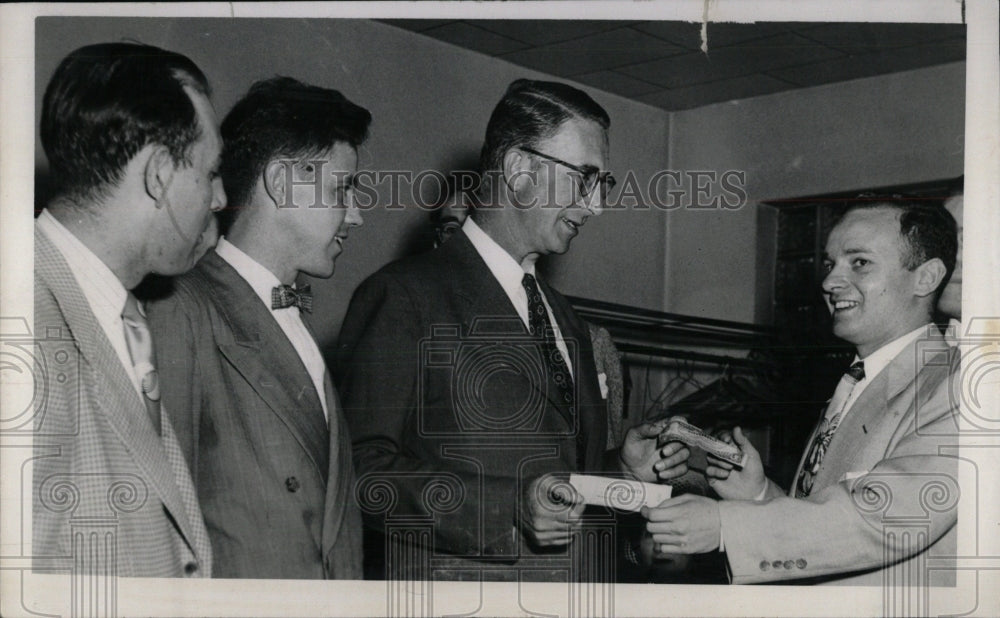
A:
x: 576, y: 334
x: 876, y: 411
x: 484, y: 297
x: 266, y: 359
x: 124, y: 409
x: 340, y: 473
x: 867, y: 413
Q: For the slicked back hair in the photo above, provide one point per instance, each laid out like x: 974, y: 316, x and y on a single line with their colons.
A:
x: 529, y: 112
x: 282, y: 117
x: 105, y: 103
x: 927, y: 229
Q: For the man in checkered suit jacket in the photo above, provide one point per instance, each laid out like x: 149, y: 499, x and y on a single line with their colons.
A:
x: 133, y: 145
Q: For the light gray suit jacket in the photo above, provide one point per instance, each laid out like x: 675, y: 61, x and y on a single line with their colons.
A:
x: 884, y: 496
x: 100, y: 466
x: 275, y: 483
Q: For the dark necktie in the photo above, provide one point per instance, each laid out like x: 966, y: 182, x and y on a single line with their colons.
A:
x: 541, y: 329
x: 828, y: 426
x: 283, y: 296
x: 140, y: 348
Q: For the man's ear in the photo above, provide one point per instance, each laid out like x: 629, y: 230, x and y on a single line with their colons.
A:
x: 929, y: 277
x: 516, y: 170
x: 158, y: 173
x: 275, y: 176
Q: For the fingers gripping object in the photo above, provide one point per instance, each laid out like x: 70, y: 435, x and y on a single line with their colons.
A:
x: 680, y: 431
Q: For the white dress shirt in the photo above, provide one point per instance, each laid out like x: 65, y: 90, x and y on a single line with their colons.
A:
x: 875, y: 363
x: 103, y: 290
x: 509, y: 274
x: 879, y: 360
x: 289, y: 319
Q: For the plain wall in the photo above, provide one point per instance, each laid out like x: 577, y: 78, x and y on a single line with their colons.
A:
x: 892, y: 129
x: 430, y: 102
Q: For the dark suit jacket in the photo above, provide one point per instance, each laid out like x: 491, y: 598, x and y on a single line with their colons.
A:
x: 275, y: 484
x: 100, y: 468
x: 451, y: 409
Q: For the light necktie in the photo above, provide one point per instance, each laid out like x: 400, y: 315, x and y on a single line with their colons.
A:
x: 283, y: 296
x: 831, y: 420
x: 140, y: 348
x: 541, y: 329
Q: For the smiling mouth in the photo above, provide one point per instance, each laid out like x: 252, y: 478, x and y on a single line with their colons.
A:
x: 340, y: 240
x: 572, y: 225
x: 844, y: 305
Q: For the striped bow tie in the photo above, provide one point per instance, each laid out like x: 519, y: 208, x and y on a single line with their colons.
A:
x: 283, y: 296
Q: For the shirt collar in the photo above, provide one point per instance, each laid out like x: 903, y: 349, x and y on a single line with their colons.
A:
x: 880, y: 358
x: 506, y: 270
x: 260, y: 279
x: 100, y: 285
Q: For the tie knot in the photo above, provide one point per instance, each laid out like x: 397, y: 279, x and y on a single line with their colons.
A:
x: 857, y: 371
x: 529, y: 283
x: 133, y: 310
x: 283, y: 296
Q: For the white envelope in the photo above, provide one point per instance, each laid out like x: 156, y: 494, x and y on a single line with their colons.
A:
x: 620, y: 494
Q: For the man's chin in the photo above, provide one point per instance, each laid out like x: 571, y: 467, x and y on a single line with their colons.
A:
x: 323, y: 272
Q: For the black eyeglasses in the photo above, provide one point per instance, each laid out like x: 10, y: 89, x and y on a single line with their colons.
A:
x: 587, y: 176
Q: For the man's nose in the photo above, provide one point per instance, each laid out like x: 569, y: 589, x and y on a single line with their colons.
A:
x: 833, y: 281
x: 353, y: 217
x: 594, y: 202
x: 218, y: 195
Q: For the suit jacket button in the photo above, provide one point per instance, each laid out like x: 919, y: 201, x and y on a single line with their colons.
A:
x: 777, y: 564
x: 292, y: 484
x: 190, y: 568
x: 801, y: 563
x: 764, y: 565
x: 789, y: 564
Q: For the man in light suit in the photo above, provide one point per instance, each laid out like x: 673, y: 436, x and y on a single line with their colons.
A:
x: 874, y: 460
x: 259, y: 420
x: 133, y: 145
x: 469, y: 383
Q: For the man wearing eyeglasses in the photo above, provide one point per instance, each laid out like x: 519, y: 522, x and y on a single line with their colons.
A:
x: 469, y: 383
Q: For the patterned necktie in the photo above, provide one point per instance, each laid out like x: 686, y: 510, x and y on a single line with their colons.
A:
x: 283, y: 296
x: 140, y: 348
x: 541, y: 329
x: 831, y: 420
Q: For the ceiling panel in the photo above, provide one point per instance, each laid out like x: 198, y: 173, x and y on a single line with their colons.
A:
x: 619, y: 83
x: 888, y: 61
x: 715, y: 92
x: 865, y: 38
x: 545, y: 31
x: 721, y: 63
x: 660, y: 62
x: 688, y: 34
x: 603, y: 50
x: 417, y: 25
x: 475, y: 38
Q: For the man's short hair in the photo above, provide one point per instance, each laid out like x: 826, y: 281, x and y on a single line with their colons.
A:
x: 927, y: 229
x: 106, y: 102
x: 531, y: 111
x: 282, y: 117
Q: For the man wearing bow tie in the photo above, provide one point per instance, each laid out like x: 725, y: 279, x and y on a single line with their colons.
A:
x: 876, y: 490
x: 258, y: 417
